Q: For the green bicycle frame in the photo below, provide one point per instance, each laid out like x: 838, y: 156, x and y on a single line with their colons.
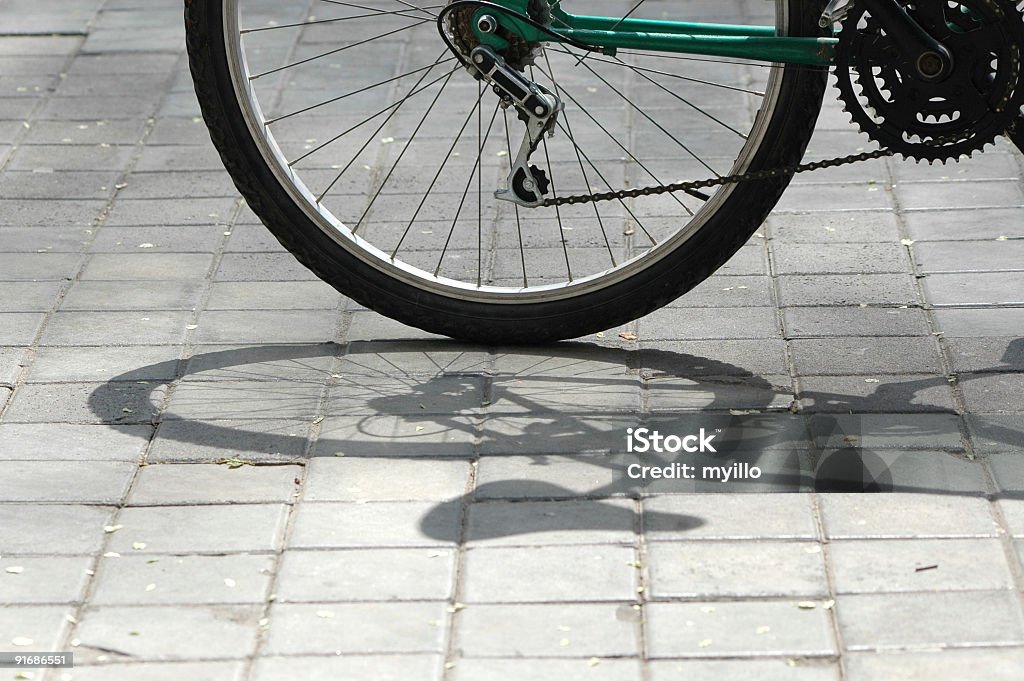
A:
x: 755, y: 43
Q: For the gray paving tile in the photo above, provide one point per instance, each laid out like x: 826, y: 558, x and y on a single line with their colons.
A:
x: 849, y: 289
x: 43, y: 579
x: 929, y: 620
x: 96, y: 482
x: 860, y: 258
x: 182, y: 580
x: 995, y: 432
x: 546, y: 669
x: 843, y: 322
x: 902, y: 565
x: 874, y: 356
x: 43, y: 240
x: 28, y: 296
x: 59, y: 441
x: 278, y: 295
x: 162, y: 212
x: 270, y: 267
x: 138, y: 295
x: 1003, y: 322
x: 555, y: 433
x: 693, y: 359
x: 245, y: 399
x: 297, y: 629
x: 157, y: 240
x: 993, y: 664
x: 879, y: 470
x: 971, y: 355
x: 886, y: 430
x: 52, y: 529
x: 266, y: 326
x: 849, y: 516
x: 167, y: 484
x: 144, y: 327
x: 723, y: 291
x: 379, y: 667
x: 694, y: 516
x: 548, y: 477
x: 695, y: 323
x: 121, y: 403
x: 887, y: 394
x: 369, y: 479
x: 19, y: 328
x: 737, y: 629
x: 44, y: 625
x: 11, y: 362
x: 960, y: 224
x: 713, y: 570
x: 37, y: 266
x: 531, y: 523
x: 766, y: 670
x: 960, y: 195
x: 993, y: 393
x: 306, y: 363
x: 969, y: 256
x: 149, y: 266
x: 168, y: 632
x: 368, y: 574
x: 209, y: 441
x: 549, y: 574
x: 440, y: 395
x: 516, y: 395
x: 398, y: 524
x: 377, y: 436
x: 975, y: 288
x: 160, y: 671
x: 547, y: 630
x: 1008, y: 473
x: 1013, y: 512
x: 59, y: 364
x: 225, y: 529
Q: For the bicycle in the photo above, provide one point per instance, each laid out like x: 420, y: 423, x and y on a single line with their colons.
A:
x: 508, y: 171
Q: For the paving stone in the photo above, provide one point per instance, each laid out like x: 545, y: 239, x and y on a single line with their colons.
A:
x: 146, y: 363
x: 880, y: 470
x: 143, y: 327
x: 549, y: 477
x: 866, y: 356
x: 366, y: 575
x: 368, y: 479
x: 52, y: 529
x: 993, y: 664
x: 546, y: 669
x: 11, y: 362
x: 549, y: 574
x: 572, y: 521
x: 139, y: 295
x: 1008, y: 473
x: 694, y: 359
x: 173, y: 529
x: 995, y: 432
x: 708, y: 323
x: 805, y: 669
x: 271, y: 267
x: 971, y: 355
x: 857, y: 258
x: 166, y: 484
x: 44, y: 625
x: 437, y: 358
x: 37, y: 266
x: 168, y: 184
x: 850, y: 516
x: 44, y: 579
x: 910, y: 431
x: 909, y: 621
x: 239, y: 400
x: 266, y: 326
x: 164, y: 212
x: 157, y: 240
x: 209, y: 441
x: 168, y: 632
x: 678, y: 517
x: 67, y: 157
x: 812, y: 198
x: 182, y: 580
x: 456, y: 395
x: 381, y: 524
x: 1004, y: 322
x: 1013, y: 512
x: 844, y: 322
x: 959, y: 195
x: 161, y: 671
x: 366, y: 325
x: 282, y: 295
x: 529, y: 395
x: 547, y: 630
x: 378, y: 667
x: 888, y: 394
x: 975, y: 288
x: 995, y: 393
x: 712, y: 570
x: 149, y: 266
x: 378, y: 436
x: 85, y: 131
x: 964, y: 224
x: 671, y: 394
x: 306, y: 363
x: 832, y: 290
x: 719, y: 629
x: 97, y: 482
x: 901, y: 565
x: 727, y: 291
x: 555, y: 433
x: 119, y: 403
x: 28, y: 296
x: 19, y: 328
x: 969, y: 256
x: 297, y: 629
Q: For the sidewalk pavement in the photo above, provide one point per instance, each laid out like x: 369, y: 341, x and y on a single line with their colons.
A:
x: 216, y: 467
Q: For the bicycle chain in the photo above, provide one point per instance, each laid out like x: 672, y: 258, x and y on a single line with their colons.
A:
x: 695, y: 185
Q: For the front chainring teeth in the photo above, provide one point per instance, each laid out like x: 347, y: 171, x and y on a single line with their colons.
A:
x: 928, y: 121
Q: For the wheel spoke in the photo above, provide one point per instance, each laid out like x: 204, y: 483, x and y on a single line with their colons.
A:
x: 315, y: 22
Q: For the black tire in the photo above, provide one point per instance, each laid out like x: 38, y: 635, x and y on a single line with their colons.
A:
x: 789, y: 130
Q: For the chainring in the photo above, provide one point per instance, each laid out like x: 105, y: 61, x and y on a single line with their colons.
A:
x: 935, y: 121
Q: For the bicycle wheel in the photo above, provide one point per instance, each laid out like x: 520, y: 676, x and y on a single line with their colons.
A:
x: 361, y: 142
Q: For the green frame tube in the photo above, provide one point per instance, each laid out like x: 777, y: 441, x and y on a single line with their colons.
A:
x: 754, y: 43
